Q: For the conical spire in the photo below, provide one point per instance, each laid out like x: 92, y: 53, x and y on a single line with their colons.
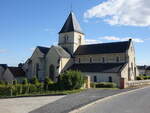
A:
x: 71, y: 24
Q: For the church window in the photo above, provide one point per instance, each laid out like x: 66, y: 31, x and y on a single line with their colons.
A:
x: 37, y: 70
x: 109, y: 79
x: 103, y: 60
x: 66, y: 39
x: 95, y: 78
x: 117, y: 59
x: 52, y: 72
x: 79, y: 60
x: 90, y: 59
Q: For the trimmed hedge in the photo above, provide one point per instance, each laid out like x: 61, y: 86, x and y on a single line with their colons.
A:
x: 105, y: 85
x: 143, y: 77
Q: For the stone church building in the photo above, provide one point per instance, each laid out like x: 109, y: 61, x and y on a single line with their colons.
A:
x: 104, y: 62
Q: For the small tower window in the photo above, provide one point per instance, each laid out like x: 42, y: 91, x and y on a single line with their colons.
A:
x: 90, y: 59
x: 79, y: 60
x: 66, y: 39
x: 103, y: 60
x: 117, y: 59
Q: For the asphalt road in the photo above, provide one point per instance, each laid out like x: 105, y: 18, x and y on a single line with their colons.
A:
x: 133, y: 102
x: 75, y: 101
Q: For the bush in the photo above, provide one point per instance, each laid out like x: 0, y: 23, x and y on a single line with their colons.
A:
x: 47, y: 82
x: 5, y: 90
x: 15, y: 82
x: 34, y: 80
x: 25, y: 81
x: 2, y: 82
x: 92, y: 85
x: 71, y: 80
x: 139, y: 78
x: 105, y: 85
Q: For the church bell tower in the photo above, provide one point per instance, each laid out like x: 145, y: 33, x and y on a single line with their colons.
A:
x: 71, y: 35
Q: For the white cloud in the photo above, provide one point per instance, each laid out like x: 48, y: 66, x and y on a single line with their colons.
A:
x: 32, y: 49
x: 92, y: 41
x: 113, y: 38
x: 47, y: 30
x: 122, y: 12
x: 3, y: 50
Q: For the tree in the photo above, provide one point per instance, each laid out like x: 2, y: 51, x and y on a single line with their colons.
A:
x: 70, y: 80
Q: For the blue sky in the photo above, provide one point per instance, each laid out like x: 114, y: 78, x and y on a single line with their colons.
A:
x: 25, y: 24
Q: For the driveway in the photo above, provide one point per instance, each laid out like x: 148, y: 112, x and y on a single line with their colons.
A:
x: 26, y: 104
x: 133, y: 102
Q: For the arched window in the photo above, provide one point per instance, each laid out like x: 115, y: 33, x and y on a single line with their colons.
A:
x: 37, y: 70
x: 110, y: 79
x: 52, y: 72
x: 95, y: 78
x: 65, y: 38
x: 90, y: 59
x: 117, y: 59
x: 103, y: 60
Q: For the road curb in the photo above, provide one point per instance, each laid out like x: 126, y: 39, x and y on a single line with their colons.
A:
x: 105, y: 98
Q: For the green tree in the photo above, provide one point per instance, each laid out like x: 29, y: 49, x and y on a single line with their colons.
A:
x: 70, y: 80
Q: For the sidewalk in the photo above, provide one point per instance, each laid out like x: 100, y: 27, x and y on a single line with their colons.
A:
x: 74, y: 101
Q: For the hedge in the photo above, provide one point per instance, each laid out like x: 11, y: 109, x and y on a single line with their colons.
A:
x: 105, y: 85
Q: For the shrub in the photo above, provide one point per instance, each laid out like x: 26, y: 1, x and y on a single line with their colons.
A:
x: 25, y: 81
x: 92, y: 85
x: 47, y: 82
x: 5, y: 90
x: 2, y: 82
x: 71, y: 80
x: 139, y: 78
x: 15, y: 82
x: 34, y: 80
x: 105, y: 85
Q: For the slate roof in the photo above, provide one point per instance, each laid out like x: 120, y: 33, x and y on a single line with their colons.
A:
x: 103, y: 48
x: 61, y: 52
x: 145, y: 67
x: 71, y: 24
x: 17, y: 71
x: 4, y: 65
x: 98, y: 67
x: 44, y: 50
x: 142, y: 67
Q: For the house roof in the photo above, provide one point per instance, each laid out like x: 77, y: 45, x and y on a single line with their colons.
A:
x: 98, y: 67
x: 17, y: 71
x: 62, y: 53
x: 142, y: 67
x: 148, y: 68
x: 3, y: 65
x: 71, y: 24
x: 44, y: 50
x: 103, y: 48
x: 145, y: 67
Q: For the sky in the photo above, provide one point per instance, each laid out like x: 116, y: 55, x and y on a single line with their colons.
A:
x: 25, y: 24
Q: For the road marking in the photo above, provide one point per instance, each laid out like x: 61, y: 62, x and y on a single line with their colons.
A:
x: 105, y: 98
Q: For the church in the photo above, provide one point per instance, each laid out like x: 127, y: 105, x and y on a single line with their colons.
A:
x: 104, y: 62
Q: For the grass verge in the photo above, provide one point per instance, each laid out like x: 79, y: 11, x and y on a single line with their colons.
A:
x: 48, y: 93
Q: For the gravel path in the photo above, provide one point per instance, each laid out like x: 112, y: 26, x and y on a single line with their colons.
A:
x: 75, y: 101
x: 26, y: 104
